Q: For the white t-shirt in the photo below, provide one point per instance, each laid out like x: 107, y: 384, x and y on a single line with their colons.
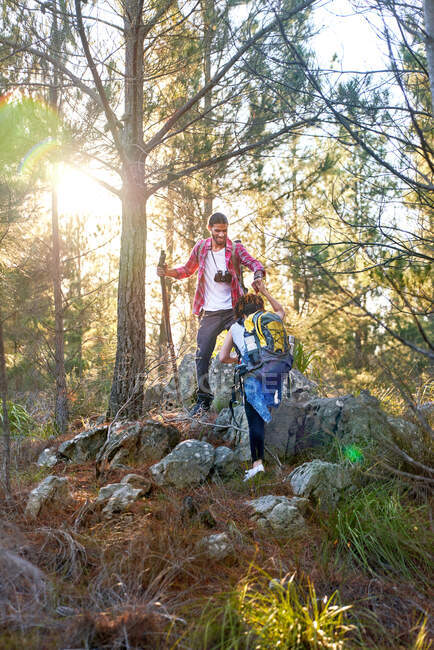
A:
x: 217, y: 294
x: 237, y: 332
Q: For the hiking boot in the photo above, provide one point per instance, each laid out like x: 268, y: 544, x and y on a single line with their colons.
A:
x: 250, y: 473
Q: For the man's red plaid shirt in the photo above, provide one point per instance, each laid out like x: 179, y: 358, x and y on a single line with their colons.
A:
x: 197, y: 261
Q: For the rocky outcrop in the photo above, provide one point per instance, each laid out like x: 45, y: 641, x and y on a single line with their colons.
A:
x: 305, y: 421
x: 187, y: 382
x: 322, y: 483
x: 136, y: 442
x: 84, y: 446
x: 188, y: 464
x: 53, y: 489
x: 279, y: 514
x: 221, y: 379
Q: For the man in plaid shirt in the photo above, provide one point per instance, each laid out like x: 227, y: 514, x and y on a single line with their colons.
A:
x: 217, y: 261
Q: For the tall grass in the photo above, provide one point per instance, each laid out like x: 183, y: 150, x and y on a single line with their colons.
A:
x: 270, y: 615
x: 385, y: 533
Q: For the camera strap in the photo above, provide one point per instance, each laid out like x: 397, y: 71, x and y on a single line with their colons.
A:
x: 215, y: 263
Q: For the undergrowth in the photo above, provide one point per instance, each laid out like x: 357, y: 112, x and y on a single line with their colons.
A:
x: 385, y: 532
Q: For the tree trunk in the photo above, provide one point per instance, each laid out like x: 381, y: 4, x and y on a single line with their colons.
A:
x: 6, y: 464
x: 428, y: 8
x: 128, y: 381
x: 61, y: 399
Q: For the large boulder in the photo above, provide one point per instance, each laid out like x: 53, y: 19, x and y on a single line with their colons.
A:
x: 221, y: 380
x: 84, y: 446
x: 238, y: 434
x: 187, y: 381
x: 281, y: 515
x: 136, y: 442
x: 188, y: 464
x: 304, y: 421
x: 323, y: 483
x: 53, y: 489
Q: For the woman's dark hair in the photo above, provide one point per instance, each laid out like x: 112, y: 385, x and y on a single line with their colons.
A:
x: 248, y: 304
x: 217, y: 217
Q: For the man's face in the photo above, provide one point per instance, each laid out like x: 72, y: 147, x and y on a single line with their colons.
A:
x: 219, y: 233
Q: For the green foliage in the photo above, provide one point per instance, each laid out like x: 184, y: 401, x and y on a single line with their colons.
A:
x: 302, y: 358
x: 20, y: 422
x: 274, y: 614
x: 385, y: 534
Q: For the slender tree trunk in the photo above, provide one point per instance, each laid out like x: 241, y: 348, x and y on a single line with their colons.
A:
x: 128, y: 381
x: 163, y: 350
x: 61, y: 399
x: 428, y: 8
x: 6, y: 461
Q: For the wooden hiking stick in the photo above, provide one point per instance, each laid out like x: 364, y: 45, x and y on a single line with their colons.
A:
x: 166, y: 314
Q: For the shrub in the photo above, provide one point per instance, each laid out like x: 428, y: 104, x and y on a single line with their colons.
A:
x: 383, y: 533
x: 274, y: 614
x: 20, y: 421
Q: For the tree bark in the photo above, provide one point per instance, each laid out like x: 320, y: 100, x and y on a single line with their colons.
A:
x: 428, y: 9
x: 127, y: 390
x: 61, y: 399
x: 6, y: 461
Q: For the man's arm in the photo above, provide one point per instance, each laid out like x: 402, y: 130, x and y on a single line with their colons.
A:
x: 251, y: 263
x: 181, y: 272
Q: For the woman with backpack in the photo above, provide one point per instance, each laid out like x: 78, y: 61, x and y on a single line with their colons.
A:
x: 263, y: 353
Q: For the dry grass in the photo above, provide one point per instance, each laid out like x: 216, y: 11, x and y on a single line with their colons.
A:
x: 138, y: 581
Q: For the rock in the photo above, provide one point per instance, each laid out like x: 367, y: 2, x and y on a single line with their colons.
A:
x: 189, y: 508
x: 238, y: 434
x: 280, y: 514
x: 225, y: 462
x: 84, y: 446
x: 303, y: 422
x: 323, y: 483
x: 120, y: 499
x: 136, y: 442
x: 153, y: 396
x: 48, y: 458
x: 221, y: 380
x: 137, y: 481
x: 187, y: 381
x: 222, y: 422
x: 216, y: 547
x: 298, y: 383
x: 188, y: 464
x: 408, y: 436
x: 53, y: 489
x: 279, y: 433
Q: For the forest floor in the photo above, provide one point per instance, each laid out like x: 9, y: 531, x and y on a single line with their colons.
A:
x: 139, y: 581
